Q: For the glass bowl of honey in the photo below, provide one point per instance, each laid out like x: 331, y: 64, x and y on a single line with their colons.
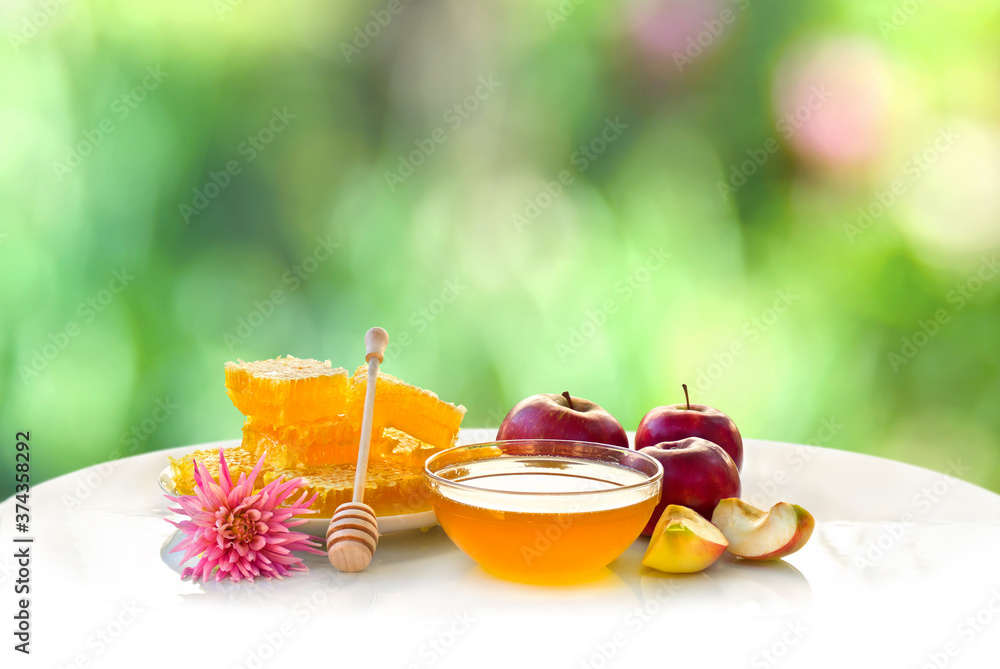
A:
x: 542, y: 510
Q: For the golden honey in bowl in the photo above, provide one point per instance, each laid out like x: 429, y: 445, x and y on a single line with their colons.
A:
x: 541, y: 510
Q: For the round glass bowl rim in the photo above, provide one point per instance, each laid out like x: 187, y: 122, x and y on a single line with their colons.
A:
x: 440, y: 480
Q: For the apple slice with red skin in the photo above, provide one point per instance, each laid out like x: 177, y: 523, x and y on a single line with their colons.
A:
x: 754, y: 534
x: 551, y: 416
x: 683, y: 542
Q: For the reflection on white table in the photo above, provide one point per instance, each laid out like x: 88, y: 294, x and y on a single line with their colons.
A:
x: 901, y: 571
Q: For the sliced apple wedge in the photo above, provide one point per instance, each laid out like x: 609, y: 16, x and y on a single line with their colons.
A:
x: 683, y: 542
x: 763, y: 535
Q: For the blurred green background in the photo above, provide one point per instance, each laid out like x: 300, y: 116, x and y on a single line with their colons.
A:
x: 793, y: 208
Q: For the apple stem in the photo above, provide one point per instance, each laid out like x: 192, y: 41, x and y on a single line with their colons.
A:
x: 569, y: 400
x: 686, y: 398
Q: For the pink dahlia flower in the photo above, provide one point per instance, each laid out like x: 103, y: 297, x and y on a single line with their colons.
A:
x: 240, y: 533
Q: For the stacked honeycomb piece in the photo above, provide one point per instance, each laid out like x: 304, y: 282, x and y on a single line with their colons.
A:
x: 306, y: 417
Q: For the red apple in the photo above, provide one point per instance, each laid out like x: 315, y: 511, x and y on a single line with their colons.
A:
x: 754, y: 534
x: 679, y: 421
x: 550, y: 416
x: 696, y: 474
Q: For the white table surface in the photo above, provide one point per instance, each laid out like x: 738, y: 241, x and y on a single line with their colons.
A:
x: 903, y: 570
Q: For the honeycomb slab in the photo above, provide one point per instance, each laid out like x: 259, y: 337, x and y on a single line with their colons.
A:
x: 390, y: 489
x: 302, y: 444
x: 238, y: 460
x: 330, y: 443
x: 415, y: 411
x: 288, y: 390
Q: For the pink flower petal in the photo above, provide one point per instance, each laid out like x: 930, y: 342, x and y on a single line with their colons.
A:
x: 224, y: 470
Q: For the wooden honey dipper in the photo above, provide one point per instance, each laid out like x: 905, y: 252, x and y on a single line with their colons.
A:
x: 353, y: 533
